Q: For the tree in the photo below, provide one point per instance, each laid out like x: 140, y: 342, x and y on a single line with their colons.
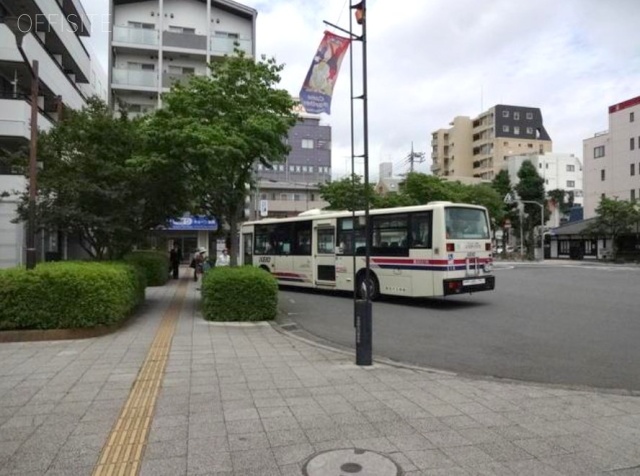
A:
x: 562, y: 200
x: 213, y: 129
x: 422, y: 189
x: 501, y: 183
x: 90, y: 187
x: 345, y: 194
x: 531, y: 188
x: 614, y: 218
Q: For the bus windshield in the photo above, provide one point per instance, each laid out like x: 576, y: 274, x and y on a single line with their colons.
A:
x: 466, y: 224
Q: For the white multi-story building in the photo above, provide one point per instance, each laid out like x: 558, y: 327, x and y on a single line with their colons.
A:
x: 559, y: 171
x: 54, y: 34
x: 612, y: 158
x: 157, y: 42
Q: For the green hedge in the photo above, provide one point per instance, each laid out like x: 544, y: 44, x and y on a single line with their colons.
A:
x: 239, y: 294
x: 154, y: 263
x: 67, y: 295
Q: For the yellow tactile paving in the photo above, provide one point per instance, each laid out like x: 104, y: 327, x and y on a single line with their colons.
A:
x: 122, y: 454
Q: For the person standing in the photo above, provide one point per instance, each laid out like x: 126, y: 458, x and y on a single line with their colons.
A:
x: 223, y: 259
x: 198, y: 262
x: 175, y: 257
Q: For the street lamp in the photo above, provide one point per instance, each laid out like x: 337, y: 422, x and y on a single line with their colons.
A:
x: 20, y: 29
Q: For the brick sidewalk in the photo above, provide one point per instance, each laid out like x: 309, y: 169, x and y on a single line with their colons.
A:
x: 248, y: 400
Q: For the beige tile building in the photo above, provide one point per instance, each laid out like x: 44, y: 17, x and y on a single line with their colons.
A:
x: 480, y: 147
x: 612, y: 158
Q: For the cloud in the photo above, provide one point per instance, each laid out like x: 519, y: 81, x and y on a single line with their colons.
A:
x: 429, y: 61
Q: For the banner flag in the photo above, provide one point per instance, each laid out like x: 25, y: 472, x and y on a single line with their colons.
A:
x: 317, y: 89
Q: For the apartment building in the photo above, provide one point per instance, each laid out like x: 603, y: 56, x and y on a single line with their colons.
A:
x: 480, y: 147
x: 559, y: 171
x: 51, y: 33
x: 291, y: 187
x: 157, y: 42
x: 612, y: 158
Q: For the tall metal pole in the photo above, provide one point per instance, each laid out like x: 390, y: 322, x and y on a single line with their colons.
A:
x: 353, y: 171
x: 365, y: 332
x: 33, y: 169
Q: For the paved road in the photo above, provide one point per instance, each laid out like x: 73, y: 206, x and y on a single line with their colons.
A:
x: 574, y: 325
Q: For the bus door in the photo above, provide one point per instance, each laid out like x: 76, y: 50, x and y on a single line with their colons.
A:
x: 324, y: 254
x: 247, y: 248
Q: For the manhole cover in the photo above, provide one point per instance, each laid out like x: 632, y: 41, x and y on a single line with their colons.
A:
x: 351, y: 461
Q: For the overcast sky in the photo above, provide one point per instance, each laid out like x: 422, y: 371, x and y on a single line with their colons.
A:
x: 432, y: 60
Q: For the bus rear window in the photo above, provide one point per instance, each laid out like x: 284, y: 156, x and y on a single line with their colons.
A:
x: 466, y: 224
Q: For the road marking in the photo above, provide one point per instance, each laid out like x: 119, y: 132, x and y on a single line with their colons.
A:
x: 122, y: 454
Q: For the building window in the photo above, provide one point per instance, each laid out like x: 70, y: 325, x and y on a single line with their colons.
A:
x: 571, y: 184
x: 307, y: 143
x: 292, y: 168
x: 632, y: 195
x: 505, y: 113
x: 633, y: 169
x: 571, y: 168
x: 530, y: 115
x: 284, y: 197
x: 311, y: 169
x: 516, y: 116
x: 505, y: 128
x: 632, y: 143
x: 598, y: 152
x: 602, y: 195
x: 516, y: 131
x: 632, y: 116
x: 529, y: 130
x: 602, y: 175
x: 546, y: 166
x: 540, y: 165
x: 182, y: 29
x: 530, y: 146
x: 144, y: 26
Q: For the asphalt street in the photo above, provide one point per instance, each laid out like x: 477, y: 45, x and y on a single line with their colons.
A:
x: 571, y: 325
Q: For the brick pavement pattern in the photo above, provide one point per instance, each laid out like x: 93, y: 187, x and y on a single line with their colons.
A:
x: 244, y: 399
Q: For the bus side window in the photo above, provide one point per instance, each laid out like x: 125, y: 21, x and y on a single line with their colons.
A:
x: 421, y: 230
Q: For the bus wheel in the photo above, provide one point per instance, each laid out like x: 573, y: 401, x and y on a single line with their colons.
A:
x: 373, y: 288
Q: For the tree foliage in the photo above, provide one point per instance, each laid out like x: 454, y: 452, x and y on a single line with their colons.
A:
x: 213, y: 129
x: 90, y: 188
x: 346, y: 194
x: 614, y: 218
x: 417, y: 189
x: 530, y: 188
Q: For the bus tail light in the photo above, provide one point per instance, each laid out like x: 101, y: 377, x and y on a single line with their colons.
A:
x: 451, y: 247
x: 487, y: 246
x: 454, y: 286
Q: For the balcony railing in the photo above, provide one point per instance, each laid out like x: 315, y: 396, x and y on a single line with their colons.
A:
x: 184, y: 40
x: 136, y: 36
x: 225, y: 46
x: 135, y: 77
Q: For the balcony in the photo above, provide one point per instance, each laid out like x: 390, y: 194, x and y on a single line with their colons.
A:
x: 225, y: 46
x: 51, y: 73
x: 188, y: 41
x: 67, y: 38
x: 135, y: 77
x: 136, y: 36
x: 15, y: 119
x: 169, y: 79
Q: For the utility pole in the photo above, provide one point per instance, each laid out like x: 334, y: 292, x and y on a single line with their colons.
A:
x: 415, y: 157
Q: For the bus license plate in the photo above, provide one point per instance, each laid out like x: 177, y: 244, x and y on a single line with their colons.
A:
x: 471, y: 282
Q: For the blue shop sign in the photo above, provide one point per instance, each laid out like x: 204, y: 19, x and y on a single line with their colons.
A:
x: 194, y: 223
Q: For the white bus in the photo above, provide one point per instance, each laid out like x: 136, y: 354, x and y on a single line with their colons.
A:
x: 438, y: 249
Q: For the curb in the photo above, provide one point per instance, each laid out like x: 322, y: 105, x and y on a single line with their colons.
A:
x: 332, y: 347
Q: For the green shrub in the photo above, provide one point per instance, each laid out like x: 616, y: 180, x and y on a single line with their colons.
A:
x: 239, y: 294
x: 67, y: 295
x: 154, y: 263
